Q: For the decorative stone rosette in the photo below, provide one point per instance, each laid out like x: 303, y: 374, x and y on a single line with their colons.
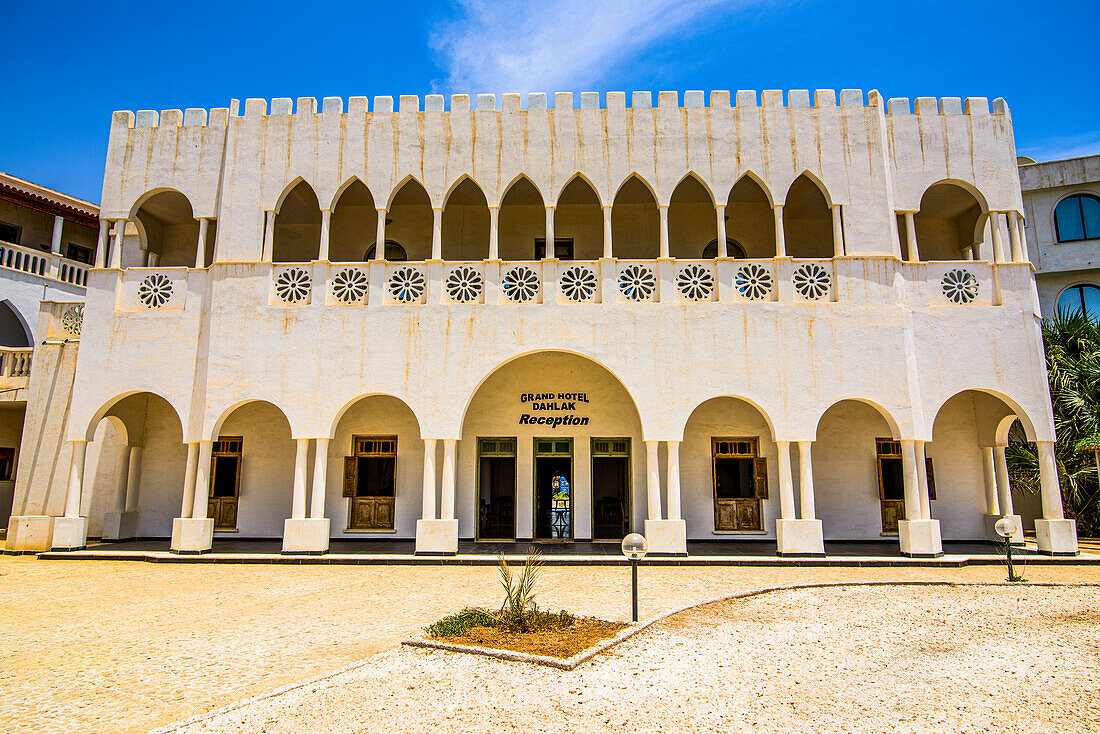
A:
x: 73, y: 320
x: 350, y: 285
x: 407, y: 285
x: 812, y: 281
x: 464, y: 284
x: 293, y: 285
x: 578, y: 283
x: 520, y: 284
x: 695, y: 282
x: 960, y: 286
x: 753, y: 281
x: 154, y: 290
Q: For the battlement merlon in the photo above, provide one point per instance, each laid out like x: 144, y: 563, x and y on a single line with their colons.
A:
x: 872, y: 157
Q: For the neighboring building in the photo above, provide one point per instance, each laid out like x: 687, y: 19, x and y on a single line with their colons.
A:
x: 723, y: 321
x: 1062, y: 208
x: 47, y: 245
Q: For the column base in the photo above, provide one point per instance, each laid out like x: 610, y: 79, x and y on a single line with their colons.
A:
x: 920, y: 538
x: 799, y: 538
x: 69, y: 534
x: 120, y: 525
x: 1057, y: 537
x: 192, y: 535
x: 436, y: 537
x: 991, y: 531
x: 29, y: 534
x: 666, y: 537
x: 305, y: 536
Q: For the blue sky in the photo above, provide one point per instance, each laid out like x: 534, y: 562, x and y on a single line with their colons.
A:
x: 68, y: 65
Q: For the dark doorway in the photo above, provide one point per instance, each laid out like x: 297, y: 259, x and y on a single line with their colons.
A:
x: 225, y: 481
x: 554, y: 489
x: 496, y: 479
x: 610, y: 488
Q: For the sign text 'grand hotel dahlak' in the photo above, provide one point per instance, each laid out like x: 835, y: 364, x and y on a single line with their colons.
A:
x: 553, y: 402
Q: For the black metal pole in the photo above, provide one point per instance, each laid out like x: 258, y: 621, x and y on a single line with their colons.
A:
x: 1008, y: 552
x: 634, y: 588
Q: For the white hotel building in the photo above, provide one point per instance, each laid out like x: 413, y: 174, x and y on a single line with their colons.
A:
x: 775, y: 316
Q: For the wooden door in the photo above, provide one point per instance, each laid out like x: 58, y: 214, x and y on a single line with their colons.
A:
x: 370, y: 482
x: 891, y: 486
x: 225, y: 481
x: 740, y: 483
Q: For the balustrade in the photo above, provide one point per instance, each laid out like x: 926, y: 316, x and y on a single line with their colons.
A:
x: 43, y: 264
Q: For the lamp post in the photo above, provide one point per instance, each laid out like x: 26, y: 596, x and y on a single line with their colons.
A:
x: 634, y: 548
x: 1006, y: 528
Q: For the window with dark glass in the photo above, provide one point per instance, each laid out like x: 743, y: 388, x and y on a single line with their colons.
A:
x: 7, y: 464
x: 78, y: 253
x: 734, y: 248
x: 1083, y: 298
x: 9, y: 233
x: 1077, y: 217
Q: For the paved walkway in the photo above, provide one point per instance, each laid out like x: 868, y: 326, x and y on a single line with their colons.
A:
x: 105, y: 645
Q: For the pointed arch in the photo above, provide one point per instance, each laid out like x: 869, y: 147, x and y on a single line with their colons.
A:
x: 578, y: 176
x: 353, y: 225
x: 297, y: 230
x: 351, y: 180
x: 286, y: 192
x: 516, y: 180
x: 410, y: 218
x: 635, y: 220
x: 407, y: 180
x: 14, y: 329
x: 814, y: 179
x: 459, y: 181
x: 749, y: 217
x: 521, y: 219
x: 578, y: 218
x: 808, y: 219
x: 751, y: 176
x: 692, y: 221
x: 465, y: 222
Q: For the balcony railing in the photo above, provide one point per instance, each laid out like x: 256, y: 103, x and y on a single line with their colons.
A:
x: 15, y: 367
x: 43, y: 264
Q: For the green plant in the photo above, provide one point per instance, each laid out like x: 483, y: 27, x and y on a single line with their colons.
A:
x: 519, y: 610
x: 458, y: 624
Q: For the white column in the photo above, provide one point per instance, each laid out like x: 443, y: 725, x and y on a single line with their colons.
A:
x: 116, y: 247
x: 838, y: 232
x: 55, y: 240
x: 551, y: 251
x: 673, y: 479
x: 780, y: 238
x: 201, y: 504
x: 910, y: 481
x: 189, y: 480
x: 133, y: 477
x: 380, y: 237
x: 494, y: 233
x: 269, y: 237
x: 326, y: 224
x: 76, y: 479
x: 922, y: 481
x: 123, y: 483
x: 101, y: 243
x: 653, y: 481
x: 806, y: 480
x: 320, y: 468
x: 437, y: 233
x: 911, y: 237
x: 301, y: 455
x: 1004, y: 486
x: 1014, y: 225
x: 447, y: 501
x: 786, y: 485
x: 989, y: 474
x: 720, y: 216
x: 200, y: 246
x: 1048, y: 481
x: 663, y: 211
x: 428, y: 502
x: 968, y: 253
x: 998, y: 244
x: 608, y: 250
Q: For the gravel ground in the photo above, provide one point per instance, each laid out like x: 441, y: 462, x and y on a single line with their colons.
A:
x: 851, y: 659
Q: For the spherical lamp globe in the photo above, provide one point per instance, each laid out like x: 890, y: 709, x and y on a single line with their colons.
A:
x: 1006, y: 527
x: 635, y: 546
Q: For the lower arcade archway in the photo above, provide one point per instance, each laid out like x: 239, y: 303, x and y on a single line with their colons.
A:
x: 551, y: 450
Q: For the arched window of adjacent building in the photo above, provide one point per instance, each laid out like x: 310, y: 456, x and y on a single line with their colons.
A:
x: 465, y: 233
x: 750, y: 222
x: 168, y: 231
x: 297, y: 236
x: 1084, y: 298
x: 1077, y: 217
x: 394, y: 252
x: 733, y: 247
x: 409, y: 220
x: 691, y: 220
x: 578, y: 222
x: 946, y: 223
x: 522, y: 220
x: 354, y: 225
x: 807, y: 221
x: 635, y: 222
x: 13, y: 330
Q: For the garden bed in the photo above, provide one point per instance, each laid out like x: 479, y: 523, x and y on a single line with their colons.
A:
x: 558, y: 642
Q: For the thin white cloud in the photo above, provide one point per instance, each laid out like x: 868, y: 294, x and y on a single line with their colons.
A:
x: 1060, y: 148
x: 523, y: 46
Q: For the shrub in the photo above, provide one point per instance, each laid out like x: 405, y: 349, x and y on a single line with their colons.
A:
x: 458, y: 624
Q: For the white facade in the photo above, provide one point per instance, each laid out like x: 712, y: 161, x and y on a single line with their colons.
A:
x: 839, y: 303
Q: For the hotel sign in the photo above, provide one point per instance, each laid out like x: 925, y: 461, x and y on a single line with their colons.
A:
x: 548, y: 402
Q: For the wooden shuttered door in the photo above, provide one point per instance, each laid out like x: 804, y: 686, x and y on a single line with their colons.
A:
x: 226, y: 458
x: 370, y: 482
x: 740, y: 483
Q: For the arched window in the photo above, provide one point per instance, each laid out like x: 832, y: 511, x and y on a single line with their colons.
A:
x: 734, y: 248
x: 1077, y: 217
x: 395, y: 253
x: 1083, y: 298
